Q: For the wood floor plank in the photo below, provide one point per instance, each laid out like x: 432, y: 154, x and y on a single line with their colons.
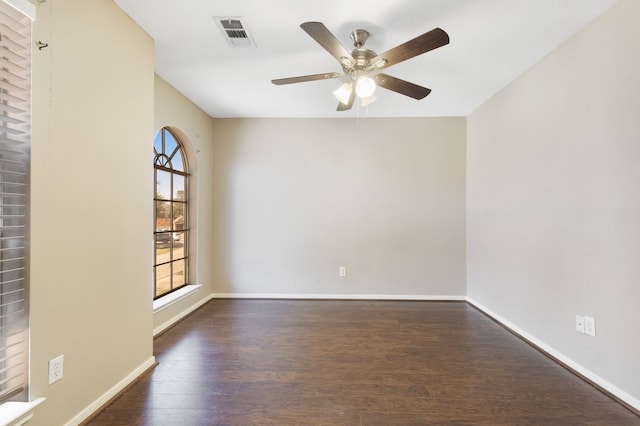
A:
x: 283, y: 362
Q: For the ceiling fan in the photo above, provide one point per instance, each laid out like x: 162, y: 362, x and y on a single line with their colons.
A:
x: 362, y: 67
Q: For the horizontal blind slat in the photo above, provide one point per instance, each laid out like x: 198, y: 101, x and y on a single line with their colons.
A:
x: 15, y: 21
x: 11, y: 281
x: 9, y: 378
x: 13, y: 259
x: 10, y: 393
x: 8, y: 369
x: 9, y: 43
x: 11, y: 98
x: 11, y: 109
x: 11, y: 120
x: 4, y: 139
x: 5, y: 150
x: 14, y: 89
x: 11, y: 55
x: 16, y: 237
x: 7, y: 271
x: 10, y: 161
x: 8, y: 315
x: 12, y: 293
x: 11, y: 173
x: 12, y: 67
x: 10, y: 27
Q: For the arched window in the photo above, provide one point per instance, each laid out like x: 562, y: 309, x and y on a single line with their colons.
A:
x: 171, y: 198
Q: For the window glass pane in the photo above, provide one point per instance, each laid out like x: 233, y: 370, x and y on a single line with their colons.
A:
x: 157, y: 143
x: 170, y: 143
x: 178, y: 240
x: 163, y: 216
x: 163, y: 184
x: 178, y: 221
x: 178, y: 188
x: 163, y: 279
x: 177, y: 251
x: 163, y: 247
x: 176, y: 162
x: 178, y: 273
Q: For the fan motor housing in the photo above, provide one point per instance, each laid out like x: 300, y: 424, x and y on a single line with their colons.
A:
x: 362, y: 57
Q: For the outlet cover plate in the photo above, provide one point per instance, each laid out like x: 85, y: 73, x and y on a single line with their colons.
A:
x: 55, y: 369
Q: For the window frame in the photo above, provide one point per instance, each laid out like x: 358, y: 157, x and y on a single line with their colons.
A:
x: 163, y: 161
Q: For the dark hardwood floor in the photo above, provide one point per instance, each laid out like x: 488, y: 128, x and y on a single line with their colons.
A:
x: 279, y: 362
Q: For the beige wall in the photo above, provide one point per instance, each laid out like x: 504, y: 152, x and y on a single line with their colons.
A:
x: 195, y: 129
x: 298, y: 198
x: 90, y: 236
x: 554, y: 199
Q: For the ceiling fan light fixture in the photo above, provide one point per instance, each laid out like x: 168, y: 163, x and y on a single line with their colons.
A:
x: 343, y: 93
x: 365, y: 86
x: 362, y: 66
x: 380, y: 63
x: 345, y: 62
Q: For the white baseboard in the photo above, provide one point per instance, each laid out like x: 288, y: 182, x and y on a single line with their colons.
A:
x: 614, y: 390
x: 162, y: 327
x: 119, y: 387
x: 337, y: 296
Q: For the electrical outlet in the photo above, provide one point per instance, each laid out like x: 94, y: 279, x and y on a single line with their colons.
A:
x: 580, y: 324
x: 590, y: 326
x: 55, y: 369
x: 342, y: 271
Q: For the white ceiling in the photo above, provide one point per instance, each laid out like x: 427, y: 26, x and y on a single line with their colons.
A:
x: 492, y: 42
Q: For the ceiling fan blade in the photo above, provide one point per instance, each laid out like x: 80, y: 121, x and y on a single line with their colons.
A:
x: 324, y: 38
x: 414, y: 47
x: 303, y: 78
x: 401, y: 86
x: 349, y: 104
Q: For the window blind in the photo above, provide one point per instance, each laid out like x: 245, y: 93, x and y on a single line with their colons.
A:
x: 15, y: 138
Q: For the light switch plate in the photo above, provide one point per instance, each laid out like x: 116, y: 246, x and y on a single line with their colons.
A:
x: 342, y: 271
x: 580, y: 324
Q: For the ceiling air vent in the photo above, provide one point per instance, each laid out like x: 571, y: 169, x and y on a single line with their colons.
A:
x: 234, y: 31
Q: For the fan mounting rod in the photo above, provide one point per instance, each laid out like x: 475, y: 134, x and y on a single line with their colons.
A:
x: 359, y: 37
x: 361, y: 55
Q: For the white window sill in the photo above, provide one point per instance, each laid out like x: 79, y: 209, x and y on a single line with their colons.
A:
x: 18, y: 413
x: 171, y: 298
